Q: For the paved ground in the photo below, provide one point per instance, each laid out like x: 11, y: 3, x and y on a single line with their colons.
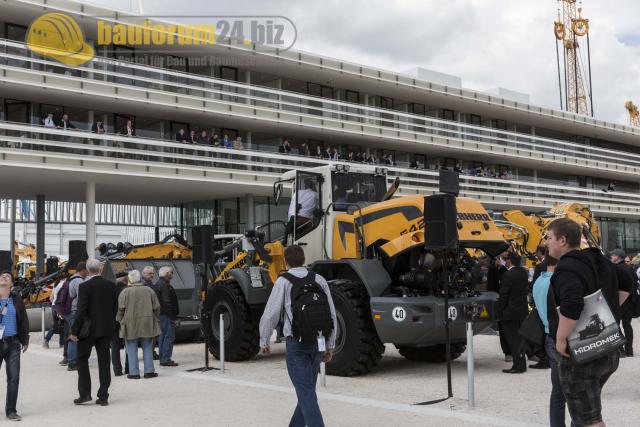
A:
x: 258, y: 393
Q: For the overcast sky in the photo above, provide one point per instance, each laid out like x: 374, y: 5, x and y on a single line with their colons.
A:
x: 488, y: 43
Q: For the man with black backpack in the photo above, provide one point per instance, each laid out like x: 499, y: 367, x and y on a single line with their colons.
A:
x: 579, y: 274
x: 309, y: 328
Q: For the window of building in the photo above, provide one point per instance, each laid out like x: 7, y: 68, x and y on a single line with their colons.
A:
x: 448, y: 114
x: 352, y: 96
x: 17, y: 111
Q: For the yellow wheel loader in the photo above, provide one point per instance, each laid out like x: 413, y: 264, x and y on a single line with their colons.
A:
x: 386, y: 286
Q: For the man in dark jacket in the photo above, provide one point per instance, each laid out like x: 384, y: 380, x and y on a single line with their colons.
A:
x: 513, y: 308
x: 168, y: 316
x: 98, y: 305
x: 14, y: 324
x: 627, y: 279
x: 573, y: 279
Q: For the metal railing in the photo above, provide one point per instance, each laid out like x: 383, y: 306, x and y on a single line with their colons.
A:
x: 58, y: 212
x: 191, y: 91
x: 83, y: 151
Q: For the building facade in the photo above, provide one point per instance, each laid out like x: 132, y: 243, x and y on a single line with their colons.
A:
x: 512, y: 155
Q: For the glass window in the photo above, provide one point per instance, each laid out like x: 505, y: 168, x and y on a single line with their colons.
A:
x: 356, y: 188
x: 149, y: 128
x: 17, y: 111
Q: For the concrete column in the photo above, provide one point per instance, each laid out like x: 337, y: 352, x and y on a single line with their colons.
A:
x: 247, y: 80
x: 248, y: 141
x: 157, y: 227
x: 90, y: 203
x: 12, y: 230
x: 250, y: 212
x: 39, y: 235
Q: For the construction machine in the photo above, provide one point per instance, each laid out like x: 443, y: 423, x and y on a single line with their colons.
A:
x: 386, y: 285
x: 526, y: 232
x: 24, y: 260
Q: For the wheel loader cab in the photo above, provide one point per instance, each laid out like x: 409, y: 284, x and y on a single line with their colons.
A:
x: 318, y: 195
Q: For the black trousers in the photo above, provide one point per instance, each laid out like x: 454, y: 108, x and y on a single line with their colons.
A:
x: 628, y: 329
x: 513, y: 339
x: 102, y: 345
x: 503, y: 341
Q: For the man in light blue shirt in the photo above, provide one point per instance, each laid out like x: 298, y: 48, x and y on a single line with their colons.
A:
x: 541, y: 290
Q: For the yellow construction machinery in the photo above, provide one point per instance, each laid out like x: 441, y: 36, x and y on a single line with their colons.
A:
x: 634, y: 115
x: 526, y: 232
x: 387, y: 286
x: 24, y: 260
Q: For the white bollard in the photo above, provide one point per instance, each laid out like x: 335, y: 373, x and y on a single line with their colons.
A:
x: 221, y: 343
x: 44, y: 333
x: 323, y: 375
x: 470, y: 367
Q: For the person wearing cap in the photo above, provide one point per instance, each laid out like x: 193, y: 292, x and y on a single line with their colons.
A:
x: 14, y: 336
x: 627, y: 280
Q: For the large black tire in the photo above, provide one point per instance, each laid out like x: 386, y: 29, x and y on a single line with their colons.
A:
x: 358, y: 348
x: 431, y: 354
x: 241, y: 336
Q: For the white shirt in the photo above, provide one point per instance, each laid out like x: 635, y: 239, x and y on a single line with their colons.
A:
x: 48, y: 122
x: 308, y: 201
x: 57, y: 288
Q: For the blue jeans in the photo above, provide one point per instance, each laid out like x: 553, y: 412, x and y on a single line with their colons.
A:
x: 166, y: 339
x: 147, y: 355
x: 72, y: 347
x: 10, y: 355
x: 557, y: 402
x: 303, y: 364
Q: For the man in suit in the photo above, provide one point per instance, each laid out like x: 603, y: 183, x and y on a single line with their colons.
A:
x: 513, y: 308
x: 97, y: 304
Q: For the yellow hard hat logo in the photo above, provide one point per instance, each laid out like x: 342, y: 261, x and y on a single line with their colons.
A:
x: 58, y: 36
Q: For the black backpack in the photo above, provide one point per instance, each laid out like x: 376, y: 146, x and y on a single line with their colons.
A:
x: 310, y: 309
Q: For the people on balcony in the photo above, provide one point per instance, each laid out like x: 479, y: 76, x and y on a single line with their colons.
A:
x: 285, y: 147
x: 128, y: 129
x: 98, y: 127
x: 65, y: 123
x: 192, y: 138
x: 49, y: 121
x: 203, y: 138
x: 226, y: 142
x: 237, y: 144
x: 181, y: 135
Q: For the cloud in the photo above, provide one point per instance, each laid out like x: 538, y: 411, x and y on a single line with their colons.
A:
x: 488, y: 43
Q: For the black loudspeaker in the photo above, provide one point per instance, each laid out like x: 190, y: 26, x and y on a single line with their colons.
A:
x: 77, y: 253
x: 449, y: 182
x: 5, y: 261
x: 440, y: 220
x: 52, y: 264
x: 202, y: 236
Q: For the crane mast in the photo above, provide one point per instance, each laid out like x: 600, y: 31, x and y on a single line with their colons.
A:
x: 569, y: 30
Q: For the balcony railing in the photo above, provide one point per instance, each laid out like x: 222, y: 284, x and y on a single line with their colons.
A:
x: 155, y: 86
x: 59, y: 212
x: 82, y: 151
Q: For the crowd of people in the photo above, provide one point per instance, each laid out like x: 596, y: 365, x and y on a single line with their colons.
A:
x: 133, y: 312
x: 210, y: 137
x: 558, y: 288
